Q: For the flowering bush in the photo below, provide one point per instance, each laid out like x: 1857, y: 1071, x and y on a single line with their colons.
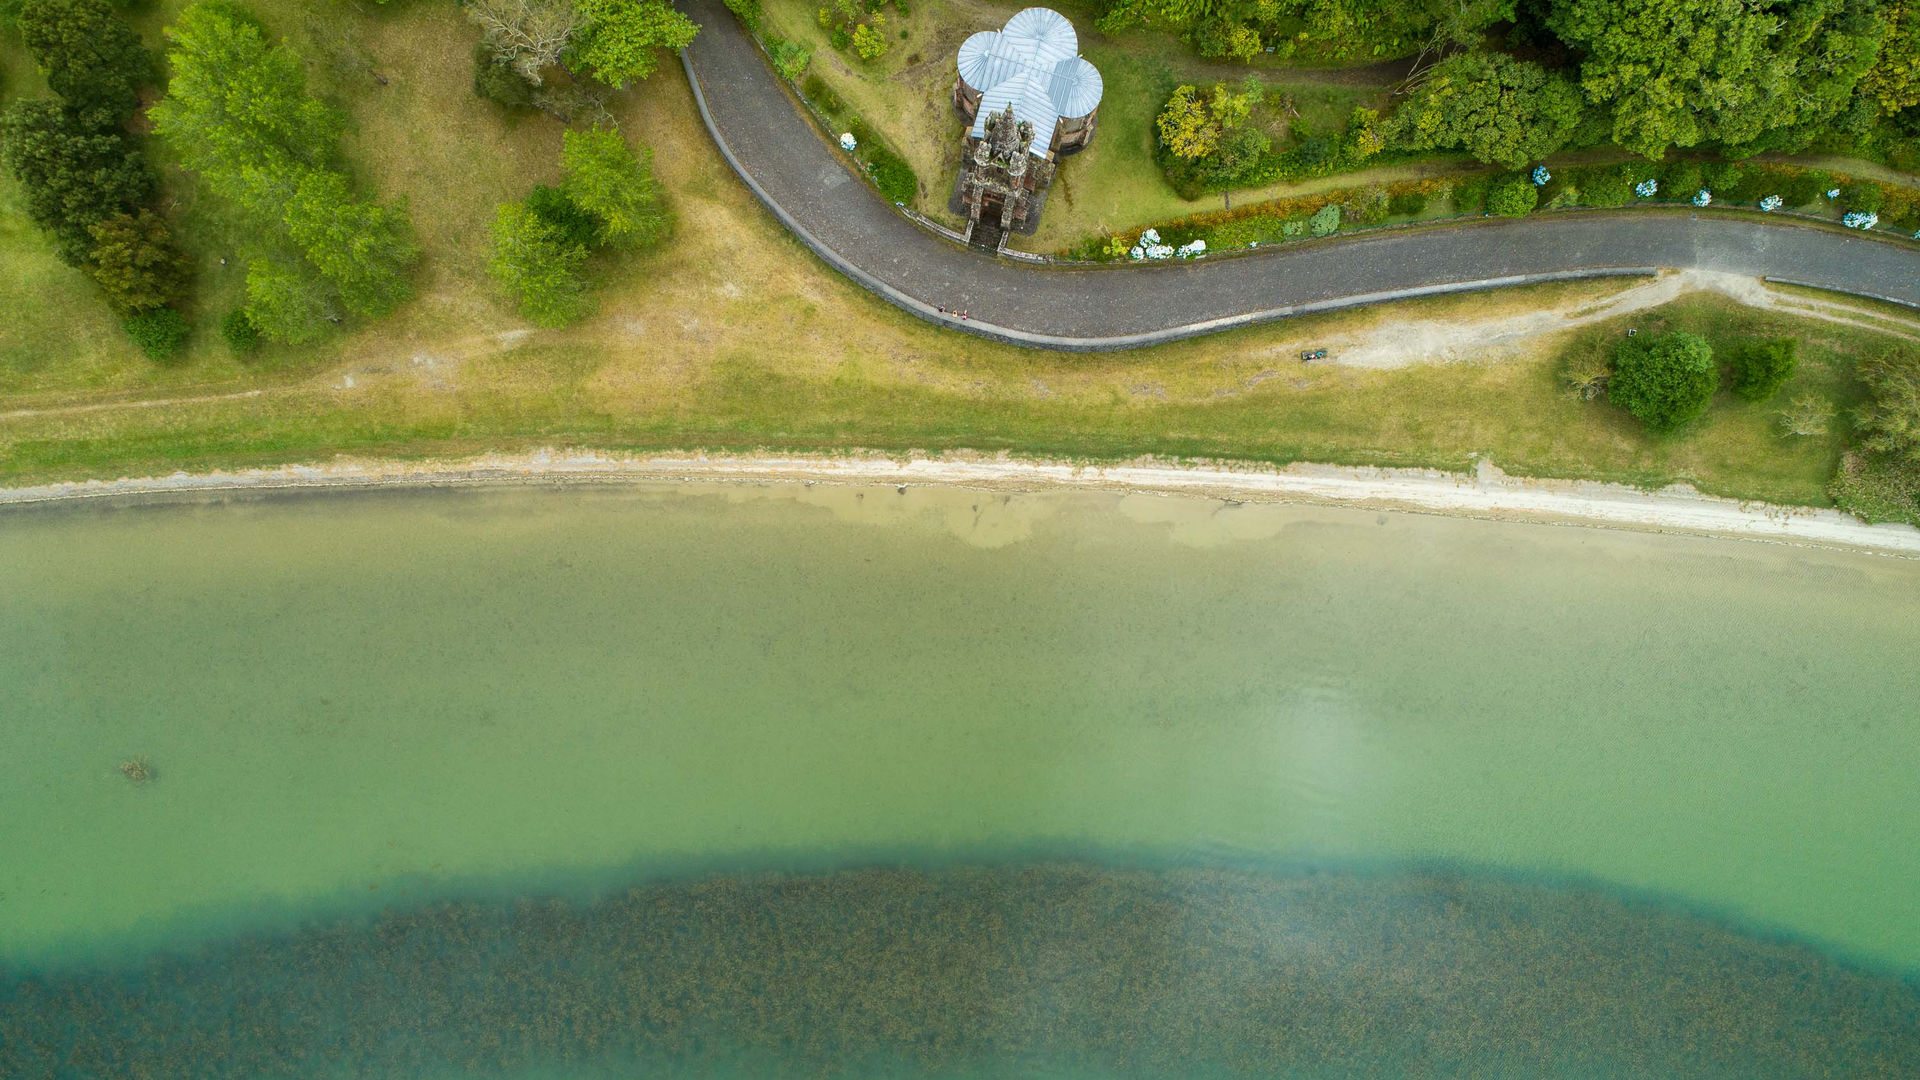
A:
x: 1541, y: 176
x: 1150, y: 247
x: 1833, y: 193
x: 848, y: 142
x: 1188, y: 251
x: 1646, y: 189
x: 1703, y: 197
x: 1770, y: 203
x: 1860, y: 219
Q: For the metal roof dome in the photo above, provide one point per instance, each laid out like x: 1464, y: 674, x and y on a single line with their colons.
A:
x: 1033, y: 64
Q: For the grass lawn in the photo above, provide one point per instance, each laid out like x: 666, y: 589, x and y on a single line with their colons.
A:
x: 735, y: 337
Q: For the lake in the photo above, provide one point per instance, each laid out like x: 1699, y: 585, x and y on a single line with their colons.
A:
x: 769, y: 780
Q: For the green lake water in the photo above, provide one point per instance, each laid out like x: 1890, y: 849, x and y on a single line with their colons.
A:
x: 360, y: 705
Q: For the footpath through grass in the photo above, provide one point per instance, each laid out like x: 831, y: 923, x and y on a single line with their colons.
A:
x: 733, y: 336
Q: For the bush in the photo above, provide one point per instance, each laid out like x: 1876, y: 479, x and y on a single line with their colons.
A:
x: 1865, y: 197
x: 1368, y: 206
x: 1513, y: 197
x: 160, y: 333
x: 241, y: 335
x: 790, y: 58
x: 891, y: 174
x: 1607, y: 188
x: 1470, y: 195
x: 749, y: 12
x: 1664, y: 380
x: 498, y: 82
x: 1324, y: 220
x: 1408, y: 204
x: 1877, y: 487
x: 822, y: 96
x: 1682, y: 181
x: 1760, y: 368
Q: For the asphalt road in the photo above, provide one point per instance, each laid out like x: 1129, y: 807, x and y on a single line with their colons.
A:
x: 811, y: 188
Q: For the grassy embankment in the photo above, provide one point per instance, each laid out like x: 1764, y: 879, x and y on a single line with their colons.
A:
x: 735, y: 337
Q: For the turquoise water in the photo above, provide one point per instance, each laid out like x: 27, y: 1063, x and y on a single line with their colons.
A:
x: 1549, y: 744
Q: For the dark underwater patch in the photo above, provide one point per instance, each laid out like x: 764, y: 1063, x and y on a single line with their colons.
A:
x: 991, y: 970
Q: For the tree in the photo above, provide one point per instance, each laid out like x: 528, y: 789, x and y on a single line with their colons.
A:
x: 538, y: 266
x: 1762, y: 367
x: 622, y: 38
x: 1664, y: 380
x: 238, y: 111
x: 74, y: 175
x: 91, y: 57
x: 612, y: 182
x: 1513, y: 197
x: 287, y: 302
x: 868, y: 42
x: 363, y: 248
x: 1683, y: 72
x: 527, y: 35
x: 1193, y: 122
x: 1500, y: 110
x: 1894, y: 80
x: 135, y: 262
x: 1890, y: 421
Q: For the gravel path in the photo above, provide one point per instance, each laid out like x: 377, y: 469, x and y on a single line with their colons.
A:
x: 810, y: 187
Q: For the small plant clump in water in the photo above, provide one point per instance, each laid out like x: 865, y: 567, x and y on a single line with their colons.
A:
x: 137, y: 770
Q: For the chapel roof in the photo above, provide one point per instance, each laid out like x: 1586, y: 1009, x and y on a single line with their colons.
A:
x: 1032, y: 64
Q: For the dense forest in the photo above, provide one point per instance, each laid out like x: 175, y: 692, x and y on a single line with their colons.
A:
x: 1512, y: 81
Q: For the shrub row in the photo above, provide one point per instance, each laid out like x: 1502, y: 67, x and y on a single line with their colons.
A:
x: 897, y: 181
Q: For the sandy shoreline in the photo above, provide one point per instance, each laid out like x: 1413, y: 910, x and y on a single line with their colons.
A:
x: 1487, y: 493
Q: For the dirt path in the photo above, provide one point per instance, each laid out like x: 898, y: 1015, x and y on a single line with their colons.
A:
x: 1405, y: 343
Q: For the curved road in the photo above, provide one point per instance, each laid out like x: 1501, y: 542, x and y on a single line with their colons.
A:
x: 810, y: 187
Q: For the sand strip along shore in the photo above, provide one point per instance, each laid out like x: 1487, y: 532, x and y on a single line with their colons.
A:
x: 1486, y: 493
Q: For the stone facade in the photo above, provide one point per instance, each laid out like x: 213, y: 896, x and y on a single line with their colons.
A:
x: 1028, y: 99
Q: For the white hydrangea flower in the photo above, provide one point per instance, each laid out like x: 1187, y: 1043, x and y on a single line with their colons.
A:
x: 847, y: 142
x: 1770, y: 203
x: 1703, y: 198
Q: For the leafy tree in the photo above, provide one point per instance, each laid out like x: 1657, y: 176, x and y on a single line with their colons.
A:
x: 622, y: 38
x: 574, y: 225
x: 1498, y: 109
x: 1664, y: 380
x: 135, y: 261
x: 363, y: 248
x: 1193, y: 122
x: 238, y: 111
x: 534, y: 262
x: 160, y: 332
x: 73, y: 174
x: 92, y: 58
x: 611, y: 181
x: 868, y: 42
x: 1683, y: 72
x: 1762, y: 367
x: 1513, y: 197
x: 1894, y: 80
x: 1324, y: 220
x: 287, y: 301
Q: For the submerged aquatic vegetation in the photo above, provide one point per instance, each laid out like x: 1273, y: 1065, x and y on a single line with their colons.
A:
x: 1126, y: 972
x: 137, y: 770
